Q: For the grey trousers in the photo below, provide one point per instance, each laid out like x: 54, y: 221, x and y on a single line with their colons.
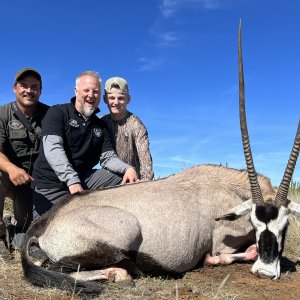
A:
x: 44, y: 199
x: 22, y: 202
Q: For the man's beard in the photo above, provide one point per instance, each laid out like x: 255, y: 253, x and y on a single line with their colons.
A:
x: 87, y: 112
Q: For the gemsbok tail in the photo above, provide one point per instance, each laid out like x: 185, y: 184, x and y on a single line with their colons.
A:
x: 44, y: 277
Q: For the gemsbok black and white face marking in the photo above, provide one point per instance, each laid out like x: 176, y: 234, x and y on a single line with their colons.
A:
x: 270, y: 223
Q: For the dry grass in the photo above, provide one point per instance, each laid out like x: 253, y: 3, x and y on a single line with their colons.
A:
x: 292, y: 246
x: 14, y: 287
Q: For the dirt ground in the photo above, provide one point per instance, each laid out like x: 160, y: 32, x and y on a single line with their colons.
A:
x: 223, y: 282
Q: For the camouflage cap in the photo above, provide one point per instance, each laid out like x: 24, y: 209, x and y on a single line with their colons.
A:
x: 118, y: 83
x: 28, y: 72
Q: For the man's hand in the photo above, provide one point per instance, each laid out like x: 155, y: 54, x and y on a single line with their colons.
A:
x: 18, y: 176
x: 75, y: 188
x: 130, y: 176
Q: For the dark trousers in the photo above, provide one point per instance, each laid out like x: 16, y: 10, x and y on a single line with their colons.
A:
x: 44, y: 199
x: 22, y: 202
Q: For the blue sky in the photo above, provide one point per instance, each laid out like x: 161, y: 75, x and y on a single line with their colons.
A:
x: 180, y: 60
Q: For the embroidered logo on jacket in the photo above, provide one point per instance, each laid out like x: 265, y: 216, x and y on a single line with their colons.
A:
x: 97, y: 131
x: 15, y: 124
x: 73, y: 123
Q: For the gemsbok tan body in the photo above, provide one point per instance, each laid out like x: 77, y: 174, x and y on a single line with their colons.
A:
x: 166, y: 226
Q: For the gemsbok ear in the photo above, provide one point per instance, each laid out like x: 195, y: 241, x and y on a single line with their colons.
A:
x: 237, y: 212
x: 294, y: 208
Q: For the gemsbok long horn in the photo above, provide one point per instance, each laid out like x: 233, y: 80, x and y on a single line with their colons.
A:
x: 255, y: 188
x: 281, y: 196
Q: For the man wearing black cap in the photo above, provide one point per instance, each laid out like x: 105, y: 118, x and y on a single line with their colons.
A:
x: 20, y: 133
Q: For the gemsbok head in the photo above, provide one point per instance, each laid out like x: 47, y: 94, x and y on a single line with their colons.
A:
x: 269, y: 216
